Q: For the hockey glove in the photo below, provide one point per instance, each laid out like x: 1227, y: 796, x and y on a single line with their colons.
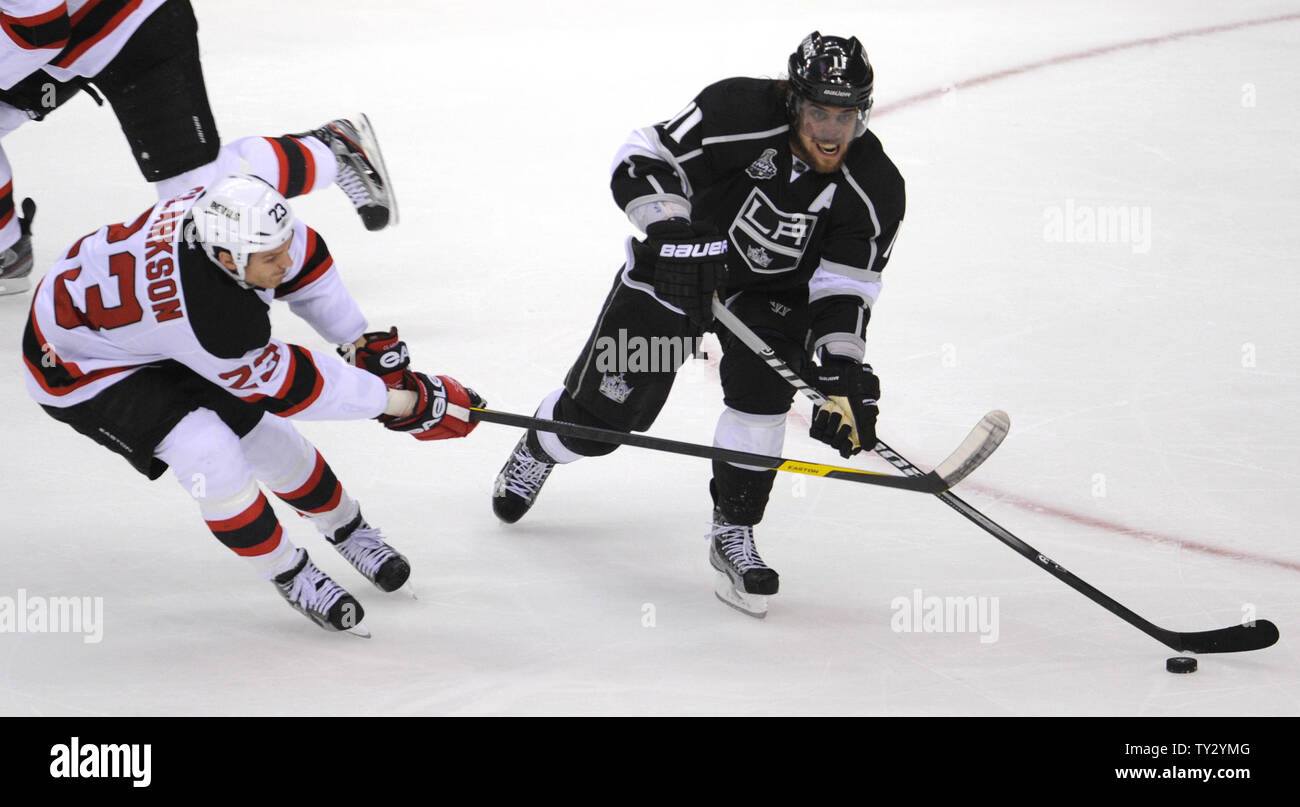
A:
x: 690, y: 265
x: 383, y: 354
x: 848, y: 422
x: 441, y: 408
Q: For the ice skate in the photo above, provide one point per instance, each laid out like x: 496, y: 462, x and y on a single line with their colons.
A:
x: 312, y: 593
x: 361, y: 171
x: 365, y: 548
x: 520, y: 481
x: 16, y: 262
x: 744, y: 581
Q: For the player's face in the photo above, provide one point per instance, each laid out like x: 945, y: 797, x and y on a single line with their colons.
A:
x: 824, y: 135
x: 266, y: 270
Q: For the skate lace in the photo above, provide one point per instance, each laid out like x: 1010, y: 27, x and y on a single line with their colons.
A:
x: 365, y: 549
x: 313, y: 590
x: 354, y: 185
x: 526, y: 474
x: 736, y: 542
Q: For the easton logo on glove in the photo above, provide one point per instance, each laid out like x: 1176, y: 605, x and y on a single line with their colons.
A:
x: 393, y: 359
x: 441, y: 410
x: 703, y: 250
x: 383, y: 353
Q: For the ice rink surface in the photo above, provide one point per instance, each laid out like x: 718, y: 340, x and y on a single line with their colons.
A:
x: 1152, y: 374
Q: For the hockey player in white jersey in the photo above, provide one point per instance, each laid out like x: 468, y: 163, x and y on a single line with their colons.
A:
x: 143, y: 57
x: 153, y: 338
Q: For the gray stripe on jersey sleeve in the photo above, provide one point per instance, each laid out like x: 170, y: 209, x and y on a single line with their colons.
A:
x: 845, y: 345
x: 645, y: 142
x: 646, y: 210
x: 832, y: 279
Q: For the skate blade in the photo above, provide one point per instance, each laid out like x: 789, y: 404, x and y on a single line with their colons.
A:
x: 15, y: 285
x: 371, y: 144
x: 754, y: 605
x: 359, y: 631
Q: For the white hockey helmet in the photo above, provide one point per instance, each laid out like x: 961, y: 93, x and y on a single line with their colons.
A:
x: 240, y: 214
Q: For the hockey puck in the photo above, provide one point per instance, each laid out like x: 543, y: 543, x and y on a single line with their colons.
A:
x: 1181, y: 664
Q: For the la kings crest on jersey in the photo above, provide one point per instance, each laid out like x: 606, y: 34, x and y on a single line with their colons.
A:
x: 768, y: 239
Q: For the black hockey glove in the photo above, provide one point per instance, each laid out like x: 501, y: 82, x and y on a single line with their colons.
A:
x: 690, y: 265
x: 383, y: 354
x: 848, y: 422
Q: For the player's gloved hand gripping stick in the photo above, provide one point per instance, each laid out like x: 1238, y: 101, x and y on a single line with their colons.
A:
x: 1235, y: 638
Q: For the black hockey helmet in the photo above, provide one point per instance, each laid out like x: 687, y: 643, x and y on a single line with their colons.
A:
x: 831, y: 71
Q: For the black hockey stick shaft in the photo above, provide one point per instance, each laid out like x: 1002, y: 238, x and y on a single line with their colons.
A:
x: 920, y: 481
x: 1236, y: 638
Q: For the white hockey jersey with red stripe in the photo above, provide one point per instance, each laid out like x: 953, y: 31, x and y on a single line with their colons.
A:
x: 137, y: 293
x: 67, y: 39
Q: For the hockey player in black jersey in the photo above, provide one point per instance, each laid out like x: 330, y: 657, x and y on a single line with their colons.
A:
x: 774, y: 195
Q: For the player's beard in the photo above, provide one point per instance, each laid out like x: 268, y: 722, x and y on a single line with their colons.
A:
x: 819, y: 162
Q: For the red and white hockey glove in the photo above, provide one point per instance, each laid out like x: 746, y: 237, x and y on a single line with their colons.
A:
x: 441, y: 408
x: 383, y: 354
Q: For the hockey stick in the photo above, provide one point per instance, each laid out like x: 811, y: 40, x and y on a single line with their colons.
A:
x: 1232, y: 639
x: 932, y: 482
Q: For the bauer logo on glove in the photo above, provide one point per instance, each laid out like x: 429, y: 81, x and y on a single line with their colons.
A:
x: 700, y: 250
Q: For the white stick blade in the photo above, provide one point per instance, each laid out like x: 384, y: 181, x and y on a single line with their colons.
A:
x: 978, y: 446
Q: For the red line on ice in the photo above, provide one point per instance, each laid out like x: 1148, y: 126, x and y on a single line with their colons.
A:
x: 1088, y: 53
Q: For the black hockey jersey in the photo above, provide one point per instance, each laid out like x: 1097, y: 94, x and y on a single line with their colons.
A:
x: 726, y: 157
